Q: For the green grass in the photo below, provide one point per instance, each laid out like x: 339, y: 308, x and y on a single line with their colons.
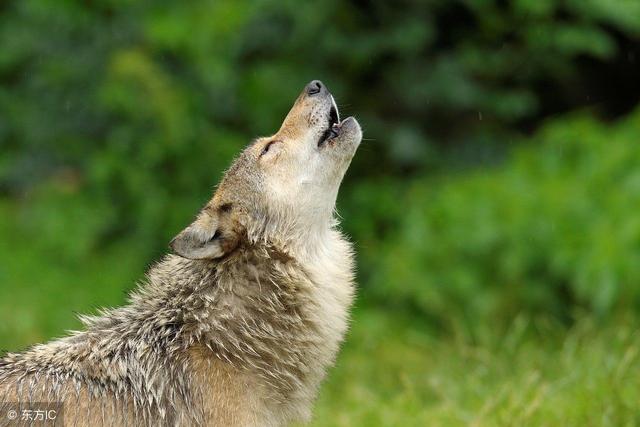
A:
x: 392, y: 373
x: 395, y: 368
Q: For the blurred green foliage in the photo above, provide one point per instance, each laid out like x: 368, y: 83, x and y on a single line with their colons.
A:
x: 552, y: 230
x: 117, y: 118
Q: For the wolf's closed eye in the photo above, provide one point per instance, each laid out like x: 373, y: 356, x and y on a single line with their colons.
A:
x: 266, y: 148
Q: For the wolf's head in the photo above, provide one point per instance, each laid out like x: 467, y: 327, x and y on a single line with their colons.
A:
x: 281, y: 188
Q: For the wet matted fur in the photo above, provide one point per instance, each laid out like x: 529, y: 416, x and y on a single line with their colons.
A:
x: 239, y: 325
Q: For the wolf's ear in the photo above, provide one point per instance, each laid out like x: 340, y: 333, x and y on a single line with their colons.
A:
x: 205, y: 238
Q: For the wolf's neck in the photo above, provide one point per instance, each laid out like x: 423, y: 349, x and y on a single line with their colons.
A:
x: 301, y: 240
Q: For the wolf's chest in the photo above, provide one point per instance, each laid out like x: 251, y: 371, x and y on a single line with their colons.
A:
x: 327, y: 304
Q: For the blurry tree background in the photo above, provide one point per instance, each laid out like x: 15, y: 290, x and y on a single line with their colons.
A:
x: 500, y: 174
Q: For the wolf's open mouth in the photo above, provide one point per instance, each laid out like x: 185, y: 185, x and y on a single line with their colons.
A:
x: 333, y: 125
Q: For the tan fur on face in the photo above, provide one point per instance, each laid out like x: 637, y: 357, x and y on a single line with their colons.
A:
x: 239, y: 328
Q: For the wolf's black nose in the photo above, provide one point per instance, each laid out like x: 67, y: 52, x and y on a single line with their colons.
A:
x: 314, y: 87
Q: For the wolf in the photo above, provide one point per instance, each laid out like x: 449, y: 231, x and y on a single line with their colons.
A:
x: 238, y: 326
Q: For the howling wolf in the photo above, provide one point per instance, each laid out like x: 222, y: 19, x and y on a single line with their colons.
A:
x: 238, y: 326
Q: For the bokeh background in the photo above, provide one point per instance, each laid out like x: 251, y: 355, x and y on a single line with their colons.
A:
x: 494, y: 205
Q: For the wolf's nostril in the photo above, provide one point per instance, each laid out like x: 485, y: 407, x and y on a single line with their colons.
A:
x: 314, y: 87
